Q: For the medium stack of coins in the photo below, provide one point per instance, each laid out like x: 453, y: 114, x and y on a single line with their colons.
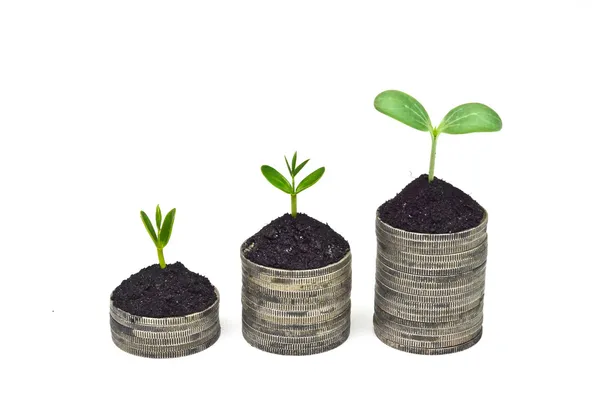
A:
x: 296, y: 312
x: 429, y: 289
x: 165, y: 337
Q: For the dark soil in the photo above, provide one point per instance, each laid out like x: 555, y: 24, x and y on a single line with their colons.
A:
x: 296, y: 244
x: 171, y: 292
x: 436, y: 207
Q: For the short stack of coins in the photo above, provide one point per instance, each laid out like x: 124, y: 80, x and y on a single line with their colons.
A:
x: 429, y: 289
x: 296, y: 312
x: 167, y: 337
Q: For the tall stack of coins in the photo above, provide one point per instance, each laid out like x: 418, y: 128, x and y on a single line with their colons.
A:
x: 296, y: 312
x: 167, y: 337
x: 429, y: 289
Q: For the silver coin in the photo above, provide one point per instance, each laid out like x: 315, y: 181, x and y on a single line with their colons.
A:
x: 443, y: 306
x: 295, y: 329
x: 197, y: 338
x: 289, y: 339
x: 427, y: 248
x: 455, y: 299
x: 196, y: 331
x: 316, y: 282
x: 163, y: 352
x: 430, y: 351
x: 296, y: 349
x: 331, y: 290
x: 296, y: 274
x: 295, y: 318
x: 434, y: 336
x: 433, y: 243
x: 165, y: 324
x: 452, y: 264
x: 432, y: 286
x: 425, y: 316
x: 298, y: 286
x: 308, y: 304
x: 427, y: 329
x: 428, y: 344
x: 441, y: 323
x: 319, y: 314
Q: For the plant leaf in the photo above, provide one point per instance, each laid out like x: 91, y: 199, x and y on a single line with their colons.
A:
x: 149, y: 227
x: 470, y: 117
x: 165, y: 232
x: 288, y: 166
x: 404, y: 108
x: 294, y: 161
x: 299, y: 168
x: 158, y: 217
x: 276, y: 179
x: 310, y: 180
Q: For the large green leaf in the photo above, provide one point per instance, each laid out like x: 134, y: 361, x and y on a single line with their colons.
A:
x: 158, y: 217
x: 276, y: 179
x: 167, y: 228
x: 404, y: 108
x: 149, y: 227
x: 470, y: 117
x: 310, y: 180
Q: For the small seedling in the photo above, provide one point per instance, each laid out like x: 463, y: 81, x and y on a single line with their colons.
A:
x: 280, y: 182
x: 164, y: 229
x: 466, y: 118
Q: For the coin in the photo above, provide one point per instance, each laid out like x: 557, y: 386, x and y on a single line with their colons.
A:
x: 163, y: 352
x: 434, y: 336
x: 297, y: 274
x: 265, y: 343
x: 432, y: 286
x: 455, y: 299
x: 447, y: 323
x: 451, y: 264
x: 444, y: 315
x: 175, y: 340
x: 430, y: 351
x: 297, y: 330
x: 333, y: 290
x: 443, y: 305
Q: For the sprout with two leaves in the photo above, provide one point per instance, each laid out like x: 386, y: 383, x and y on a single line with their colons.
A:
x: 280, y: 182
x: 466, y: 118
x: 164, y: 228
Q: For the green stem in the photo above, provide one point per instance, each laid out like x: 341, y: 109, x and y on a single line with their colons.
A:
x: 434, y: 137
x: 294, y: 206
x: 161, y: 258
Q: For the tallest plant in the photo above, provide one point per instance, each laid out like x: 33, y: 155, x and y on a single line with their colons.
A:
x: 466, y: 118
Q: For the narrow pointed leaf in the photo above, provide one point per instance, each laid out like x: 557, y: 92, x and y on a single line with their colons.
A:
x: 299, y: 168
x: 470, y: 117
x: 311, y: 179
x: 158, y: 217
x: 404, y: 108
x: 167, y: 228
x: 149, y: 227
x: 288, y: 166
x: 276, y: 179
x: 294, y: 160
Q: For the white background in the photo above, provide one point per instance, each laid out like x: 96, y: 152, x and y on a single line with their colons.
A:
x: 110, y: 107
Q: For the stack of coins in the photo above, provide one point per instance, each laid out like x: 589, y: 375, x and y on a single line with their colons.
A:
x: 165, y: 337
x: 296, y: 312
x: 429, y: 289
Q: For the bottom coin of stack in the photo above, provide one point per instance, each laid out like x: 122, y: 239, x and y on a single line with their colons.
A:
x: 429, y: 289
x: 165, y: 337
x: 296, y: 312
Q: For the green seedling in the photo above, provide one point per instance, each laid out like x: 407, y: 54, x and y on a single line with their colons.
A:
x: 163, y: 234
x: 466, y: 118
x: 280, y: 182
